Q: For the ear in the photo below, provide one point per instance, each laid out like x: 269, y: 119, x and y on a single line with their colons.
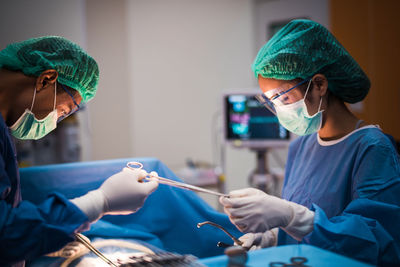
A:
x: 46, y: 79
x: 320, y: 84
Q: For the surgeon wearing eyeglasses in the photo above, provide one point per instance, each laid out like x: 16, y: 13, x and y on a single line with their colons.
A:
x: 342, y: 179
x: 42, y: 81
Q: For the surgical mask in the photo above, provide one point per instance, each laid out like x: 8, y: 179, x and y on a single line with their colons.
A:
x: 29, y: 127
x: 295, y: 118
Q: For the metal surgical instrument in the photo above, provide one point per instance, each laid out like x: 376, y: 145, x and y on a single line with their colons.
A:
x: 139, y: 166
x: 237, y: 241
x: 87, y: 244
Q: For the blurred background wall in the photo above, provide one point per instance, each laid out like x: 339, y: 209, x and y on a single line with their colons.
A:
x: 164, y: 64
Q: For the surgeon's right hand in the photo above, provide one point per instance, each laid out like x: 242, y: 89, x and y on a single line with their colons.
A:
x: 122, y: 193
x: 254, y: 241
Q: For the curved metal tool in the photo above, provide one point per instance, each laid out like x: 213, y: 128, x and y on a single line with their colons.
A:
x: 237, y: 241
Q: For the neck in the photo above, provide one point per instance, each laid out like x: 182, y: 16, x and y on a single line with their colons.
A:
x: 338, y: 121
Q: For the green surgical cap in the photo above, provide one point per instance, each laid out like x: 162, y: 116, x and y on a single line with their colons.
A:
x: 75, y: 67
x: 303, y: 48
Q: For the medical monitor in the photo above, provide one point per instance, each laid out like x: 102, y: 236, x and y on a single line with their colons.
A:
x: 247, y: 123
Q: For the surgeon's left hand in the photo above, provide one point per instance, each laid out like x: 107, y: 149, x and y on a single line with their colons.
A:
x: 252, y: 210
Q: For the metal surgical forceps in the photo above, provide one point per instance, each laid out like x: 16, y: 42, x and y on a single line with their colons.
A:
x: 139, y: 166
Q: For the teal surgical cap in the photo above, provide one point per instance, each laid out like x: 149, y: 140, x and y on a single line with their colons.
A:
x: 75, y: 67
x: 303, y: 48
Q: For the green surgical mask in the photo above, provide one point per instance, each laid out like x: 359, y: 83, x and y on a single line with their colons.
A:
x: 28, y: 127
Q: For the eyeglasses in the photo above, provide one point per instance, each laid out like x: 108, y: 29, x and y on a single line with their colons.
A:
x: 273, y: 97
x: 73, y: 110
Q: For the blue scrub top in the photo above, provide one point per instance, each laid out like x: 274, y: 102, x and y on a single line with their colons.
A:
x: 27, y: 230
x: 353, y: 185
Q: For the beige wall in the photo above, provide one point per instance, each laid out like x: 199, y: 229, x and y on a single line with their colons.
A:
x: 23, y: 19
x: 182, y: 55
x: 109, y: 119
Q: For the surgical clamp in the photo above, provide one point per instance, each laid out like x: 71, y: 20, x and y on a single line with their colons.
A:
x: 139, y: 166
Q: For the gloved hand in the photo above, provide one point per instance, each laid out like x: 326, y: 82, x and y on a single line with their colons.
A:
x: 122, y: 193
x: 254, y: 241
x: 254, y: 211
x: 70, y: 250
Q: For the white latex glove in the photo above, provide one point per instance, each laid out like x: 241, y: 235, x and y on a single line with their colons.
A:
x: 122, y: 193
x: 70, y: 250
x: 252, y: 210
x: 254, y: 241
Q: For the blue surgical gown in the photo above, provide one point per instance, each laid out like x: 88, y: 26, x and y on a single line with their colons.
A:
x: 353, y: 185
x: 28, y: 230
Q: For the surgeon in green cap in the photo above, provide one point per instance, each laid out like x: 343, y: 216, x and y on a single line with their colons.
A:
x: 342, y: 179
x: 42, y: 81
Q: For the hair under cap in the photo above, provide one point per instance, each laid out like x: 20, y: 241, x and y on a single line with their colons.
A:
x: 303, y: 48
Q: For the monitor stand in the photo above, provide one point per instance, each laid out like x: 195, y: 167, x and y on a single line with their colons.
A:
x: 261, y: 178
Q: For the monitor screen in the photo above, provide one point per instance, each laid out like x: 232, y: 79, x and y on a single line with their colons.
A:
x: 250, y: 124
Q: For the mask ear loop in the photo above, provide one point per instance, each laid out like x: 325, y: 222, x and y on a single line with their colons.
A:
x: 320, y: 101
x: 33, y: 99
x: 319, y: 107
x: 308, y: 87
x: 55, y: 95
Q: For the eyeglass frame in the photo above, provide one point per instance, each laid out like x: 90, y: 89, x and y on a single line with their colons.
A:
x: 263, y: 99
